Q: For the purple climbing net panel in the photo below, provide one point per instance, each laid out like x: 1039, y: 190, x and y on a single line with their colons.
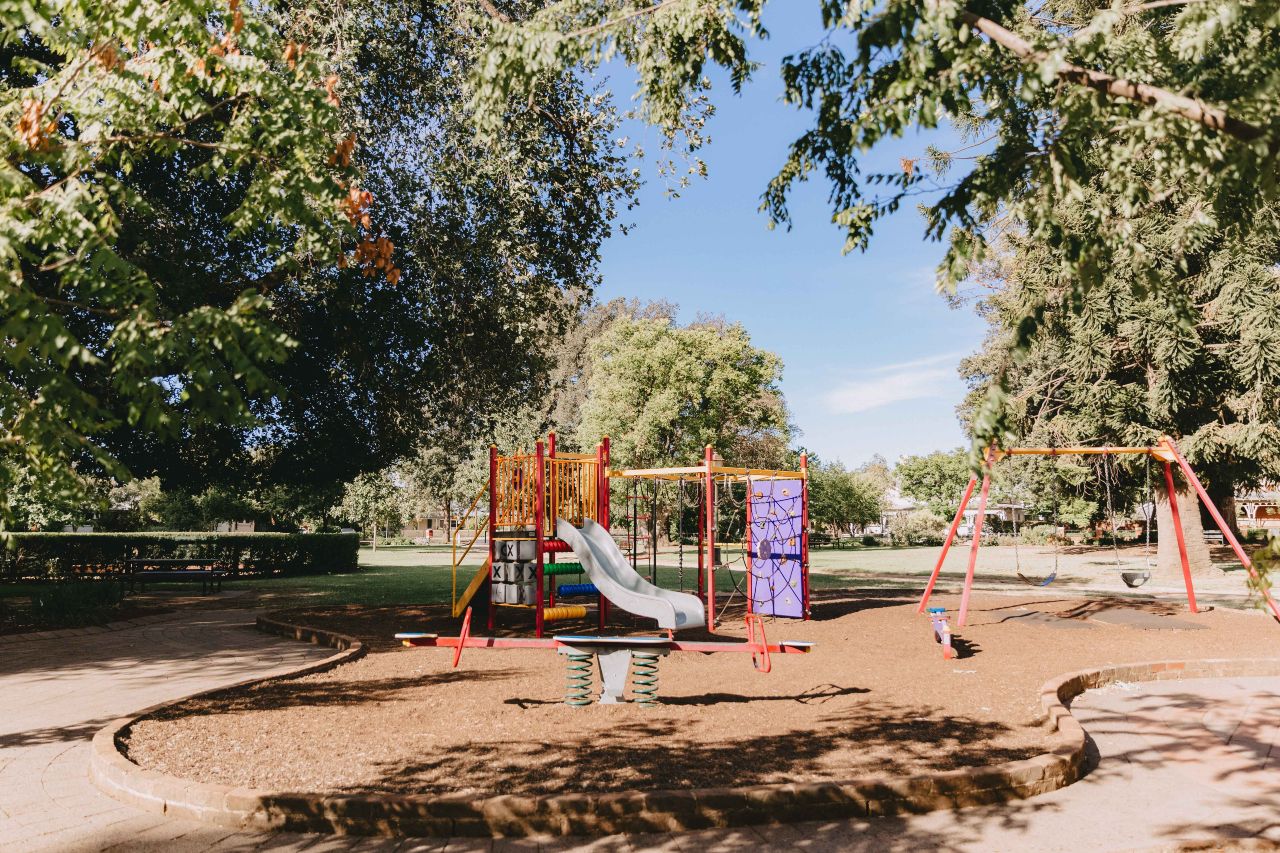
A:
x: 777, y: 575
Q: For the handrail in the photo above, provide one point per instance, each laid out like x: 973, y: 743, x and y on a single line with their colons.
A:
x: 453, y: 538
x: 470, y: 545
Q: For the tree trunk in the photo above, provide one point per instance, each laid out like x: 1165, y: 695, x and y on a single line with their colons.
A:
x: 1224, y: 498
x: 1168, y: 563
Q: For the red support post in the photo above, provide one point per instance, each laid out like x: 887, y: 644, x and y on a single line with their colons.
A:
x: 603, y: 495
x: 702, y: 531
x: 539, y: 510
x: 804, y: 531
x: 749, y: 559
x: 1177, y: 532
x: 1221, y: 522
x: 551, y: 478
x: 978, y: 524
x: 709, y: 459
x: 946, y: 544
x: 493, y: 526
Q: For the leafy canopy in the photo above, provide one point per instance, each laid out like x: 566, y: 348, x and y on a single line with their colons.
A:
x: 662, y: 392
x: 1166, y: 95
x: 840, y: 499
x: 91, y: 336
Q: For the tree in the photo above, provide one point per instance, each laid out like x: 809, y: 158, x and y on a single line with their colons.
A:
x: 937, y: 479
x: 1133, y: 366
x: 496, y: 250
x: 96, y: 336
x: 372, y: 501
x: 663, y: 392
x: 842, y: 500
x: 1170, y: 96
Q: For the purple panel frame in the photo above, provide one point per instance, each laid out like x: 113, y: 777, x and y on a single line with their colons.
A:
x: 777, y: 575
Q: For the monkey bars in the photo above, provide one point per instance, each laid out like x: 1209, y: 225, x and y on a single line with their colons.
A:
x: 1165, y: 452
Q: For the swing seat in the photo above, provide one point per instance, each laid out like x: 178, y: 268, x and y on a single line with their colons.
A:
x: 1133, y: 580
x: 1053, y: 576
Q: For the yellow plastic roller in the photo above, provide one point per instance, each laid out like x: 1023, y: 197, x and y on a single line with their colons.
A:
x: 567, y: 611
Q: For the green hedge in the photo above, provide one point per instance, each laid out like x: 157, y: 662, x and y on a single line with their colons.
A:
x: 44, y: 555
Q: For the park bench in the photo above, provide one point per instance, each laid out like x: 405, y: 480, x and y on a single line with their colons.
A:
x: 143, y: 570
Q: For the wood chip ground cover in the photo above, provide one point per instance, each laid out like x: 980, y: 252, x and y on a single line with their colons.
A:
x: 874, y: 697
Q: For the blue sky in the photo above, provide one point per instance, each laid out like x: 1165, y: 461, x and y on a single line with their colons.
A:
x: 870, y: 348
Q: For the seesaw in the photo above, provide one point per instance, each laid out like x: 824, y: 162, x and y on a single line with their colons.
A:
x: 614, y: 656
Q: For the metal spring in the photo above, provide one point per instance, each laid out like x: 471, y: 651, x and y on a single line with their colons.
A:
x: 644, y: 678
x: 578, y: 686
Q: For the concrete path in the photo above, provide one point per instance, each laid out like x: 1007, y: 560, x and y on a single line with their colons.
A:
x: 57, y: 689
x: 1176, y: 761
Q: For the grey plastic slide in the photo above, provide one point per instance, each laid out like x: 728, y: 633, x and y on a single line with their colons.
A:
x: 609, y: 570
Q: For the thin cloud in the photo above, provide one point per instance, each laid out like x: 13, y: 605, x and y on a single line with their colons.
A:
x: 933, y: 376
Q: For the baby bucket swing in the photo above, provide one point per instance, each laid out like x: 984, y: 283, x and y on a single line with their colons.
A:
x: 1132, y: 579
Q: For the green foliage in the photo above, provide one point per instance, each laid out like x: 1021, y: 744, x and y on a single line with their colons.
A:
x: 918, y: 527
x: 498, y: 246
x: 1265, y: 561
x: 1073, y: 160
x: 56, y: 555
x: 1077, y: 512
x: 59, y: 604
x: 663, y: 392
x: 938, y: 479
x: 97, y: 336
x: 373, y: 500
x: 1127, y: 366
x: 841, y: 500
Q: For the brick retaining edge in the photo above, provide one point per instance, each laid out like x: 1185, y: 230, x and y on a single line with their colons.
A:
x: 604, y: 814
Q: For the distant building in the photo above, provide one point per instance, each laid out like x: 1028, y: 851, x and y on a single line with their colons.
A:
x: 427, y: 528
x: 1260, y: 507
x: 894, y: 507
x: 235, y: 527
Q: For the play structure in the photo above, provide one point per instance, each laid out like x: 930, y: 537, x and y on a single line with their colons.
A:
x: 614, y: 579
x: 529, y: 494
x: 1165, y: 452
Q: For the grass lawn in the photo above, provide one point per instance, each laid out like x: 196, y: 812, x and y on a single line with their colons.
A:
x: 416, y: 575
x: 422, y: 575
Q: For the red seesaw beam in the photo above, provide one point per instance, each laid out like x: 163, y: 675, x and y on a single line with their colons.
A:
x: 786, y: 647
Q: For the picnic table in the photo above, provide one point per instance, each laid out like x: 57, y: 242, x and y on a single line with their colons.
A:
x: 144, y: 570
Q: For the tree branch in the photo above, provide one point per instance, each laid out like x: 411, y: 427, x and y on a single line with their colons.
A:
x: 493, y: 11
x: 1213, y: 118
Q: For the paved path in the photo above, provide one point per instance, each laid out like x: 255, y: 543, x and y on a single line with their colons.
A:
x: 1176, y: 761
x: 56, y: 691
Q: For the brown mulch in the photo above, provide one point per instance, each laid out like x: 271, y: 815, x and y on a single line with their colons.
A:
x: 874, y: 696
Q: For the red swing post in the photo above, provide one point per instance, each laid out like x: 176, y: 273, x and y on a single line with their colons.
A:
x: 1222, y: 524
x: 978, y: 524
x: 946, y: 544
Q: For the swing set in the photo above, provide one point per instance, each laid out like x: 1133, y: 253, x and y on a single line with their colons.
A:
x: 1164, y: 452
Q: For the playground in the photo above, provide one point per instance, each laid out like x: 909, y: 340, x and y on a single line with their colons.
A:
x: 411, y: 723
x: 736, y: 676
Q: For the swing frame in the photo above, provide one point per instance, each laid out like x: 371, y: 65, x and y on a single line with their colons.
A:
x: 711, y: 474
x: 1164, y: 451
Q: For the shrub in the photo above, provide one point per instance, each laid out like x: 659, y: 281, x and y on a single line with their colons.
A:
x: 61, y: 555
x: 75, y: 603
x: 870, y: 541
x: 918, y: 527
